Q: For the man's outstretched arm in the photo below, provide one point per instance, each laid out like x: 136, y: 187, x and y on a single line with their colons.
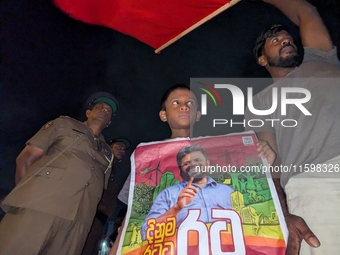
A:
x: 313, y: 32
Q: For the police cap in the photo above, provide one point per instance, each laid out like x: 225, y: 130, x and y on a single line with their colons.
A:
x: 122, y: 139
x: 102, y: 97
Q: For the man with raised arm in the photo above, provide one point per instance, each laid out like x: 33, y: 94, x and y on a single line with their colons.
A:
x: 308, y: 198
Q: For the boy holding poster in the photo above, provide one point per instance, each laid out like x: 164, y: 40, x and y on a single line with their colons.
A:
x: 179, y: 110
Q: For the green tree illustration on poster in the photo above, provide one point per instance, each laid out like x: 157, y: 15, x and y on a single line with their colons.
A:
x: 168, y: 179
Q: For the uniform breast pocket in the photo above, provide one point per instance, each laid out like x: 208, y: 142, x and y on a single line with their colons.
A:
x: 51, y: 173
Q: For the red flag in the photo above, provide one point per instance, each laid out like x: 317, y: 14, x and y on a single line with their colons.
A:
x: 157, y: 23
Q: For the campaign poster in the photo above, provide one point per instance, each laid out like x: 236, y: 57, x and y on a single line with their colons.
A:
x: 206, y: 196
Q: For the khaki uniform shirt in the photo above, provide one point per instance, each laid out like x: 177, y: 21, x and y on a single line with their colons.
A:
x: 67, y: 181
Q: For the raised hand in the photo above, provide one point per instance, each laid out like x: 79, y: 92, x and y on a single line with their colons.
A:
x: 187, y: 194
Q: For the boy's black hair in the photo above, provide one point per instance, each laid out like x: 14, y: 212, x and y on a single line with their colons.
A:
x: 261, y: 40
x: 171, y: 89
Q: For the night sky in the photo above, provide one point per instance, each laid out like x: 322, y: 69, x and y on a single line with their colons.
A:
x: 50, y: 64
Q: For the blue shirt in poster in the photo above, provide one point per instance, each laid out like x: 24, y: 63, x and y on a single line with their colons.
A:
x: 212, y: 195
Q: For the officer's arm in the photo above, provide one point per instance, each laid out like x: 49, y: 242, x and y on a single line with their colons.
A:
x: 26, y: 158
x: 313, y: 32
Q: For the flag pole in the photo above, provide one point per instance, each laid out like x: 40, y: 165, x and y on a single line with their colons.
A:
x: 210, y: 16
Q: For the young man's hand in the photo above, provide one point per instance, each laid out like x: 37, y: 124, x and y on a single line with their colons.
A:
x: 298, y: 231
x: 266, y: 151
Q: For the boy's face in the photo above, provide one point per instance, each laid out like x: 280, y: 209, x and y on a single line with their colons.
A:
x: 181, y: 109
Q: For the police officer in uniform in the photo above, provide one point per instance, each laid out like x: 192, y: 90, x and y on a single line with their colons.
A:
x: 108, y: 208
x: 60, y: 176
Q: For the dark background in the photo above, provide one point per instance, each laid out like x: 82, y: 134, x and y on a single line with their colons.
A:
x: 50, y: 64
